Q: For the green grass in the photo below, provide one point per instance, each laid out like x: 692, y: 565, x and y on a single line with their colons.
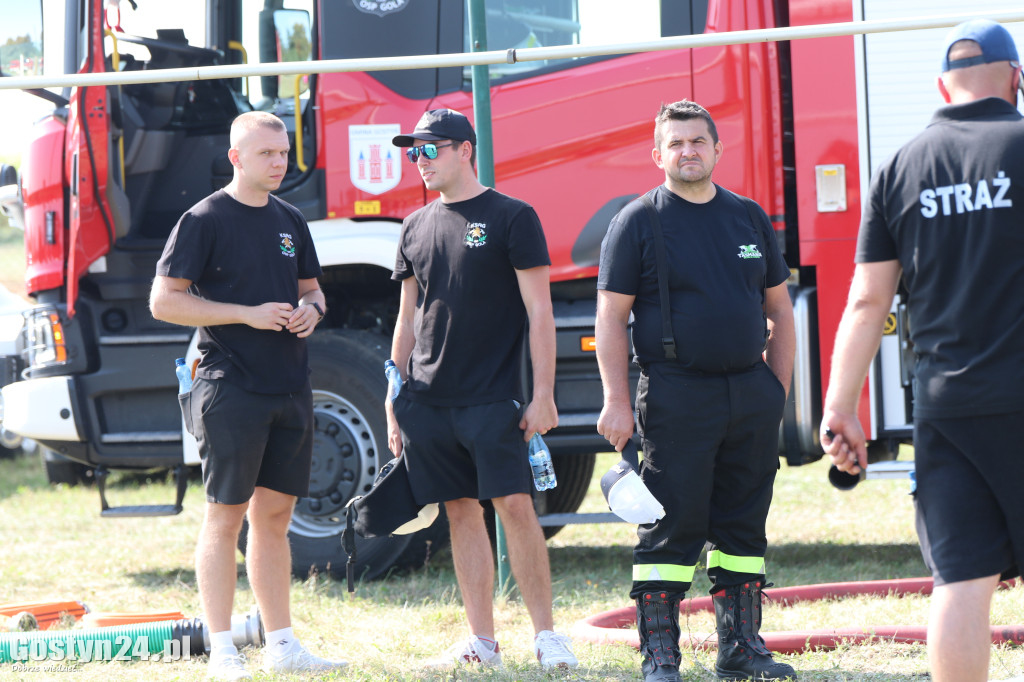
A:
x: 55, y: 546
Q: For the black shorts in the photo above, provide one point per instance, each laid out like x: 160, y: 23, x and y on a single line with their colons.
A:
x: 455, y: 452
x: 251, y: 439
x: 970, y: 508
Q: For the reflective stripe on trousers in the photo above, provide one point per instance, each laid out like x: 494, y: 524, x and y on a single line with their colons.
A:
x: 669, y: 572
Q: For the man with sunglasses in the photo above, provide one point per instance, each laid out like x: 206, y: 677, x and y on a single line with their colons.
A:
x: 474, y: 269
x: 947, y: 212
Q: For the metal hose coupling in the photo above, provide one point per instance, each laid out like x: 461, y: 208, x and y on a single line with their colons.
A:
x: 246, y: 630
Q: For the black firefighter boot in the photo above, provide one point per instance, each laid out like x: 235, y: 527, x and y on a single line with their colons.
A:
x: 657, y: 621
x: 742, y: 654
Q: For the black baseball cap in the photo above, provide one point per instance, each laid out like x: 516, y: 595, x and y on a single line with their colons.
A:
x: 438, y: 124
x: 995, y: 42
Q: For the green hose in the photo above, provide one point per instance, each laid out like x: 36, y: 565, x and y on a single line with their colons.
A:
x: 142, y: 641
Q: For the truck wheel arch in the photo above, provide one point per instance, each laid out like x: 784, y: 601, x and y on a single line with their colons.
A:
x: 349, y: 447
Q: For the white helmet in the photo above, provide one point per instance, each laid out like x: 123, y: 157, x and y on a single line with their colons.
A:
x: 625, y: 492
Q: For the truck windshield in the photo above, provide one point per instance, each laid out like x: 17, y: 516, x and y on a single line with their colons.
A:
x: 518, y: 24
x: 184, y: 21
x: 149, y: 16
x: 21, y: 40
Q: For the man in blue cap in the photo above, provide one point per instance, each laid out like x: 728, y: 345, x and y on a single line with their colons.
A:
x: 947, y: 211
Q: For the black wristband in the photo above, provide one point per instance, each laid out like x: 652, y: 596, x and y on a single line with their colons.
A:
x: 319, y: 310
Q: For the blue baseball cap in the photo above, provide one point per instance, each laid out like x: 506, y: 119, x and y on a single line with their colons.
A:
x: 995, y: 41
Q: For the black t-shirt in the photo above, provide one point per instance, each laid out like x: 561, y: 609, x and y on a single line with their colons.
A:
x: 949, y: 205
x: 470, y: 317
x: 719, y: 265
x: 235, y: 253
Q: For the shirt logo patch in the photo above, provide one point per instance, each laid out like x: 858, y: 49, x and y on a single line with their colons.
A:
x: 749, y: 251
x: 476, y: 234
x: 287, y: 245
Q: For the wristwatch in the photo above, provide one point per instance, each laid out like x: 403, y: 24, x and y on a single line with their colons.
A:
x: 319, y: 310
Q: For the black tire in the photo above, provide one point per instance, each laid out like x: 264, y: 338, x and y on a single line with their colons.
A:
x: 60, y: 469
x: 573, y: 473
x: 349, y: 447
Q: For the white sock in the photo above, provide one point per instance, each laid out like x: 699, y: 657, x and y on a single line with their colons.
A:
x: 488, y: 644
x: 221, y: 643
x: 281, y: 642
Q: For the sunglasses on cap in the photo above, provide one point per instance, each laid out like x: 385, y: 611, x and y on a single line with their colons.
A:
x: 428, y: 150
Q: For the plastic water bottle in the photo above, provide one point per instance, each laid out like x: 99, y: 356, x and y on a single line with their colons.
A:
x: 394, y: 379
x: 184, y: 375
x: 540, y: 462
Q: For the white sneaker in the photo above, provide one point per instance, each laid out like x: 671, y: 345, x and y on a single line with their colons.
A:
x: 554, y: 650
x: 469, y: 652
x: 230, y: 667
x: 299, y: 661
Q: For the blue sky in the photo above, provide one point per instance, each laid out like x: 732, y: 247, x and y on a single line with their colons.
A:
x: 21, y: 18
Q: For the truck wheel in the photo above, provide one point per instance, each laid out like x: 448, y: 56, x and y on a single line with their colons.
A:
x: 349, y: 447
x: 573, y: 473
x: 60, y: 469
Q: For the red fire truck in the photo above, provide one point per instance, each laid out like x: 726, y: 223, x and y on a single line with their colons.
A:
x: 108, y: 174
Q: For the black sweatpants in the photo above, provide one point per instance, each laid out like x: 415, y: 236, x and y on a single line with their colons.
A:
x: 710, y: 447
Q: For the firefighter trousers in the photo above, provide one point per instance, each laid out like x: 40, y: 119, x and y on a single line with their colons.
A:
x: 710, y: 444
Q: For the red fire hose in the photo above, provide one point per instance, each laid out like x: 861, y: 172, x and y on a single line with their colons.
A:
x: 618, y: 626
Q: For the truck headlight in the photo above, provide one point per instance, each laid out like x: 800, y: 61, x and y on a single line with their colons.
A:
x: 44, y: 338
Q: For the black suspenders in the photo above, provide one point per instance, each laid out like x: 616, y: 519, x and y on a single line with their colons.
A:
x: 668, y: 339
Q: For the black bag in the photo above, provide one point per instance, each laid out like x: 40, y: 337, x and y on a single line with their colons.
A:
x: 386, y: 507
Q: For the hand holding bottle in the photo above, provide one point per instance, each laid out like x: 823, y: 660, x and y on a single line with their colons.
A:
x: 540, y: 462
x: 394, y: 387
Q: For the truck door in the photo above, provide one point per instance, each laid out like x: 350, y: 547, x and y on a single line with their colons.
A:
x: 739, y: 85
x: 361, y: 112
x: 559, y: 120
x: 42, y: 177
x: 87, y: 162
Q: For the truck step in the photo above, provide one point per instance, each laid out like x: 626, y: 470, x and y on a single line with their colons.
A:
x: 580, y: 517
x: 125, y: 511
x: 143, y: 437
x: 142, y: 510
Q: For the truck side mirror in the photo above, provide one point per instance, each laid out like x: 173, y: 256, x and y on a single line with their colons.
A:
x: 285, y: 36
x: 10, y: 197
x: 268, y: 52
x: 8, y: 175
